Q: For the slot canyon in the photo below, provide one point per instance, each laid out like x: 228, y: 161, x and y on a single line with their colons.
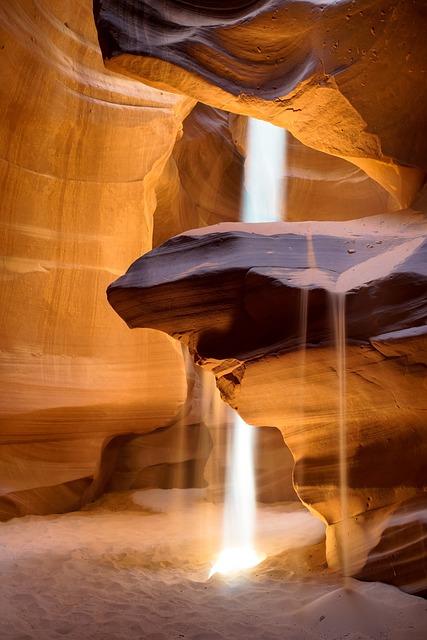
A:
x: 139, y: 314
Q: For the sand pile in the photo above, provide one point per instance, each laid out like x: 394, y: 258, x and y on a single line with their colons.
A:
x: 136, y: 566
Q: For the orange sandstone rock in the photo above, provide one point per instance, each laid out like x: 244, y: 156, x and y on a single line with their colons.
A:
x: 345, y: 78
x: 233, y: 294
x: 202, y: 180
x: 81, y: 152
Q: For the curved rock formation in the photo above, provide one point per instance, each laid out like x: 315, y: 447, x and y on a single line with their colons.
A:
x: 203, y: 184
x: 323, y: 187
x: 233, y: 294
x: 347, y: 78
x: 94, y: 169
x: 202, y: 180
x: 81, y: 151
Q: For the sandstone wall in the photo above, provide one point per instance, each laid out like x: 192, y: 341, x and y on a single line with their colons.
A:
x: 336, y: 74
x: 346, y: 78
x: 95, y: 169
x: 81, y: 151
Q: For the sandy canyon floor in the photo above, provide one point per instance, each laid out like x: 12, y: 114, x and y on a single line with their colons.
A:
x: 135, y: 566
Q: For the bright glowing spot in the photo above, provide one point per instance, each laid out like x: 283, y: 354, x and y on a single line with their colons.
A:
x: 239, y: 510
x: 236, y: 559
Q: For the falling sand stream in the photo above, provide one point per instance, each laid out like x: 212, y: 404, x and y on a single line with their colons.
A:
x: 337, y: 301
x: 313, y: 276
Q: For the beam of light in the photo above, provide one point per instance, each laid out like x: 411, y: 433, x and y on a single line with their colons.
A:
x: 239, y: 513
x: 263, y: 202
x: 264, y: 170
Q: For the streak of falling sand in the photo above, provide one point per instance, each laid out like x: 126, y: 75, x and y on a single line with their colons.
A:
x: 135, y: 566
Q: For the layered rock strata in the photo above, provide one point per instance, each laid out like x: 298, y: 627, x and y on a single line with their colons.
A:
x: 94, y: 169
x: 234, y: 293
x: 75, y: 140
x: 202, y: 180
x: 347, y: 78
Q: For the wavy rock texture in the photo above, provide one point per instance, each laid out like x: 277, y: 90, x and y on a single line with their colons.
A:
x: 346, y: 78
x: 323, y: 187
x: 81, y: 151
x: 202, y: 180
x: 319, y: 186
x: 94, y: 168
x: 243, y: 323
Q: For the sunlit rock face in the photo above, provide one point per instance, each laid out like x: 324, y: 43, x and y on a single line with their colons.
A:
x: 202, y: 180
x: 81, y: 152
x: 95, y: 169
x: 233, y: 295
x: 319, y: 186
x: 346, y: 78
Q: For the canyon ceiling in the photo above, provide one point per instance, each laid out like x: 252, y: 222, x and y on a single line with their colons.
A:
x: 122, y: 125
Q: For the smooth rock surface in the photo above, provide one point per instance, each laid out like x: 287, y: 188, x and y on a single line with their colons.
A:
x: 202, y: 180
x: 347, y: 78
x: 95, y: 169
x: 316, y: 185
x: 81, y: 151
x: 319, y: 186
